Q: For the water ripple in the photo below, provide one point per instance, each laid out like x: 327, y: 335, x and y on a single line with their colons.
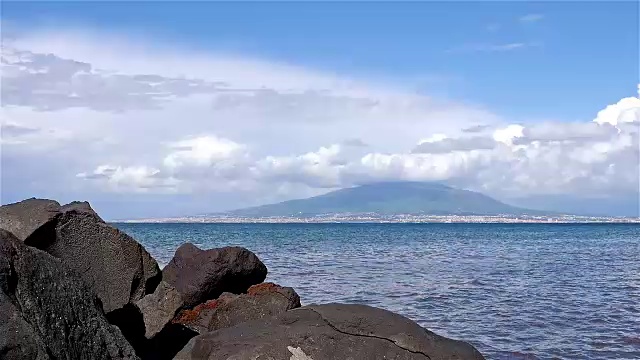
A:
x: 514, y: 291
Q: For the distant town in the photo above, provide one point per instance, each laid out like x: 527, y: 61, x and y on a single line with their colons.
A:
x: 398, y: 218
x: 392, y: 202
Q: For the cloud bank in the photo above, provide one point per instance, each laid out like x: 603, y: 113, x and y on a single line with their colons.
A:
x: 89, y: 115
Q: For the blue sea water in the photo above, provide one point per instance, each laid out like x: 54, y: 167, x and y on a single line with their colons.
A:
x: 516, y: 291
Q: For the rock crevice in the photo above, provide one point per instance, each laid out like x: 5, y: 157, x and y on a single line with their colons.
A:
x: 367, y: 336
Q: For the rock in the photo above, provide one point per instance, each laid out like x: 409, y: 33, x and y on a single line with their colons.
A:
x: 117, y: 267
x: 24, y: 218
x: 167, y: 343
x: 79, y: 206
x: 159, y: 308
x: 198, y: 318
x: 262, y: 300
x: 55, y: 314
x: 18, y: 339
x: 201, y: 275
x: 286, y: 296
x: 147, y: 324
x: 331, y: 331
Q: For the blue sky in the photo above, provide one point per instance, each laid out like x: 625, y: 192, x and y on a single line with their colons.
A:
x: 588, y: 51
x: 223, y: 102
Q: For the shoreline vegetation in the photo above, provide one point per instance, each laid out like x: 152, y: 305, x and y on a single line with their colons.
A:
x: 74, y: 287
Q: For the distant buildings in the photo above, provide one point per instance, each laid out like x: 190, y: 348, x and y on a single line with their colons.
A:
x: 397, y: 218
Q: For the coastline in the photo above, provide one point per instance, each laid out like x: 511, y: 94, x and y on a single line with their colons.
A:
x: 397, y: 219
x: 76, y: 287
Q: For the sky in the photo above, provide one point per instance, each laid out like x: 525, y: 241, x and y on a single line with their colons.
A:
x: 153, y: 109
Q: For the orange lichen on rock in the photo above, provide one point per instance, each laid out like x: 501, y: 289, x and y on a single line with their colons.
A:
x: 211, y: 304
x: 189, y: 315
x: 185, y: 317
x: 263, y: 288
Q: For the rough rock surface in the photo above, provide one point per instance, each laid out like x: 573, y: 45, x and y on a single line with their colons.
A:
x: 167, y: 343
x: 198, y: 318
x: 55, y: 313
x: 117, y: 267
x: 147, y: 324
x: 24, y: 218
x: 260, y: 301
x: 80, y: 206
x: 331, y: 331
x: 201, y: 275
x: 18, y: 339
x: 159, y: 308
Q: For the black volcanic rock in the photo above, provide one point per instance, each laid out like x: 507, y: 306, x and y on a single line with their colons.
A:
x: 159, y: 308
x: 50, y: 311
x: 331, y: 331
x: 24, y: 218
x: 260, y: 301
x: 79, y: 206
x: 18, y: 339
x: 117, y: 267
x: 147, y: 324
x: 201, y: 275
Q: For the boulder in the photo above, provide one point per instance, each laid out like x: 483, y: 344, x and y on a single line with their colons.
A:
x: 147, y: 324
x: 18, y: 339
x: 198, y: 318
x: 331, y: 331
x: 80, y: 206
x: 159, y: 308
x: 260, y: 301
x: 24, y: 218
x: 201, y: 275
x: 50, y: 311
x: 281, y: 295
x: 118, y: 268
x: 167, y: 343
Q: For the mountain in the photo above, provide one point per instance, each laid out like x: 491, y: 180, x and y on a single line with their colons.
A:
x: 388, y: 198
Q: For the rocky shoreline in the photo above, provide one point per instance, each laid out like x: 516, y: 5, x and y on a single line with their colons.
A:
x: 74, y: 287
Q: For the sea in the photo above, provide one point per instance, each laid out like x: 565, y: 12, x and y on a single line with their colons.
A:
x: 514, y: 291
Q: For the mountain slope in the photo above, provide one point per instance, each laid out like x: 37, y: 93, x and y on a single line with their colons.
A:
x: 390, y: 198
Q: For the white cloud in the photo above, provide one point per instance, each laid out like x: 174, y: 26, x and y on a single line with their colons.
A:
x: 570, y: 131
x: 165, y: 120
x: 30, y: 136
x: 508, y: 134
x: 531, y: 18
x: 16, y: 130
x: 626, y: 110
x: 543, y: 158
x: 494, y: 47
x: 459, y: 144
x: 131, y: 178
x: 12, y: 133
x: 432, y: 139
x: 322, y: 168
x: 203, y: 151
